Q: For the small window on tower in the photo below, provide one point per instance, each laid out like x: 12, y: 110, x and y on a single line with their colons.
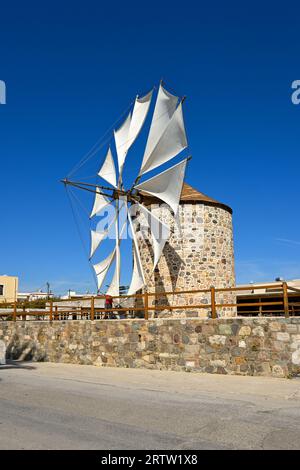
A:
x: 1, y: 289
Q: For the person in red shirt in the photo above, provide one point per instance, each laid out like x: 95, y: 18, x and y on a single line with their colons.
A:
x: 108, y: 305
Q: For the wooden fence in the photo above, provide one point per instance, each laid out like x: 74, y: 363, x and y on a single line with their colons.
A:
x: 54, y: 311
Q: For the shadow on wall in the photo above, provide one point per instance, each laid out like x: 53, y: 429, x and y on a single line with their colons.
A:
x: 24, y: 351
x: 174, y: 263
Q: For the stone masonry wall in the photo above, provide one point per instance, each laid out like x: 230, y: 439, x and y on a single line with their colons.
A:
x: 198, y: 255
x: 247, y: 346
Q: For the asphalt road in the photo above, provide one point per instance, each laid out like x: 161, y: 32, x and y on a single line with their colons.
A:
x: 60, y: 406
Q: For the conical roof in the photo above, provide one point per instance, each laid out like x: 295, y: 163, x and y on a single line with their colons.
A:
x: 190, y: 195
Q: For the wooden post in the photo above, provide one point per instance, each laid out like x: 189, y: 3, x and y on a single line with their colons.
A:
x: 92, y: 308
x: 146, y: 302
x: 51, y: 311
x: 24, y: 314
x: 260, y: 308
x: 15, y: 312
x: 56, y: 313
x: 285, y: 300
x: 213, y: 302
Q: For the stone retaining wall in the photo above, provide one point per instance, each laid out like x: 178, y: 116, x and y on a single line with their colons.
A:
x: 247, y: 346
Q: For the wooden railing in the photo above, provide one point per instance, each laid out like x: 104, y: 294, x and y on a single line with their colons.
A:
x: 55, y: 312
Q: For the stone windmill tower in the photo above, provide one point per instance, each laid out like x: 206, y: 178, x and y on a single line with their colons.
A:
x: 199, y: 253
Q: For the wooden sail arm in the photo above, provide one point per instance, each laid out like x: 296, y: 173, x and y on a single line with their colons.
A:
x: 81, y: 185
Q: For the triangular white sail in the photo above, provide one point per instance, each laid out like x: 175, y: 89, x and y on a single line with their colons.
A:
x: 114, y: 288
x: 96, y: 239
x: 121, y: 137
x: 131, y: 127
x: 99, y: 203
x: 171, y: 143
x: 160, y: 232
x: 108, y: 170
x: 166, y: 186
x: 102, y: 268
x: 138, y: 278
x: 139, y: 114
x: 164, y: 109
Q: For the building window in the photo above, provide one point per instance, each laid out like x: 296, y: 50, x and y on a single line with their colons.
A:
x: 1, y: 289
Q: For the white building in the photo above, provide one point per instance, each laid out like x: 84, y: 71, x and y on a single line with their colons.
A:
x: 39, y: 295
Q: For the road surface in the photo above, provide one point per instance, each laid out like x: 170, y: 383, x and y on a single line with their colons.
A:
x: 62, y: 406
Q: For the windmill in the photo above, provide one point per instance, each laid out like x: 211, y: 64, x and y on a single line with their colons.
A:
x: 166, y: 139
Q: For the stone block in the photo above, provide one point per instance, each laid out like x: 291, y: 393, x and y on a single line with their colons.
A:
x: 217, y: 340
x: 149, y: 358
x: 239, y: 360
x: 258, y: 331
x: 235, y: 328
x: 245, y: 331
x: 283, y: 337
x: 218, y: 363
x: 295, y: 345
x: 278, y: 371
x: 296, y: 357
x: 190, y: 364
x: 291, y: 329
x: 208, y: 329
x: 275, y: 326
x: 225, y: 329
x: 2, y: 353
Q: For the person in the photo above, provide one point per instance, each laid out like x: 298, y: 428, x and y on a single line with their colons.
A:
x: 108, y: 306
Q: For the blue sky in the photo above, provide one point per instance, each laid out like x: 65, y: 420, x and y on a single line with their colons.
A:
x: 71, y: 68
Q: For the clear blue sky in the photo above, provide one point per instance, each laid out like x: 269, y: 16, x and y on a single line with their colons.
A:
x: 71, y: 68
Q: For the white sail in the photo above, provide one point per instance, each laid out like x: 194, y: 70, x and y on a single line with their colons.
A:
x: 108, y: 170
x: 160, y: 232
x: 99, y: 203
x: 164, y: 109
x: 121, y: 137
x: 166, y: 186
x: 139, y: 114
x: 130, y: 129
x: 114, y: 287
x: 102, y: 268
x: 138, y: 278
x: 171, y: 143
x: 96, y: 239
